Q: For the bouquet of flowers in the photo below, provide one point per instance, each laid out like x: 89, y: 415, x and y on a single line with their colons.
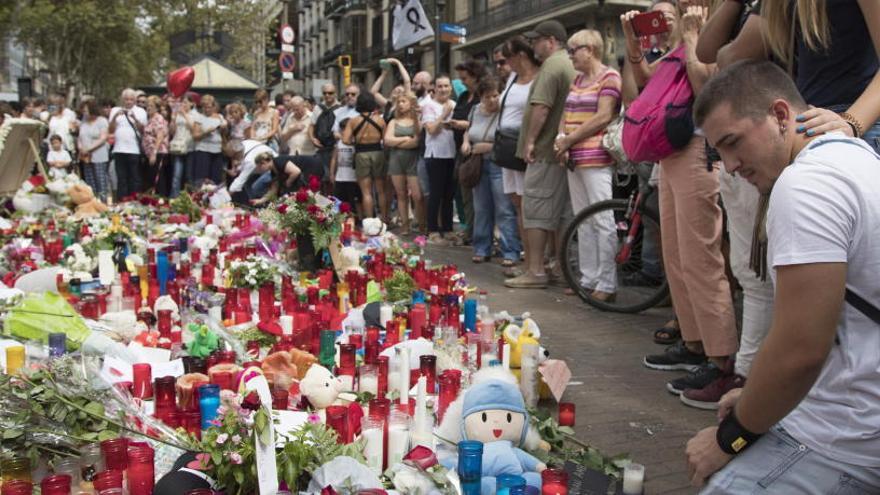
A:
x: 252, y: 273
x: 308, y: 212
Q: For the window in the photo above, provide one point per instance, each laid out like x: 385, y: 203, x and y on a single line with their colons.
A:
x: 478, y: 7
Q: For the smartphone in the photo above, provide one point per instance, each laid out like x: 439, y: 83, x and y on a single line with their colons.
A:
x: 649, y: 23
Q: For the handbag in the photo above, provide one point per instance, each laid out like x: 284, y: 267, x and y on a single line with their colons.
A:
x: 471, y: 167
x: 504, y: 147
x: 612, y: 141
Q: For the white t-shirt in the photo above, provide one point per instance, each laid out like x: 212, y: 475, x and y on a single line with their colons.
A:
x: 58, y: 156
x: 251, y: 150
x: 515, y: 104
x: 89, y: 134
x: 345, y: 163
x: 60, y: 125
x: 182, y: 135
x: 213, y: 141
x: 299, y: 143
x: 342, y: 113
x: 124, y: 138
x: 825, y: 208
x: 442, y: 144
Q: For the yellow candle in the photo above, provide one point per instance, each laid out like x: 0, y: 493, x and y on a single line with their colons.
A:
x: 14, y: 359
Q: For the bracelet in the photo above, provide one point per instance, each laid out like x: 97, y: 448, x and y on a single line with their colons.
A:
x: 732, y: 437
x: 855, y: 124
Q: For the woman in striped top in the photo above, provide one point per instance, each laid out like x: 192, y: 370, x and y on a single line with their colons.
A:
x: 592, y: 103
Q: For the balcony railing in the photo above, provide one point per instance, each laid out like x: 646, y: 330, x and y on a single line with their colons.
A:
x: 340, y: 7
x: 512, y: 11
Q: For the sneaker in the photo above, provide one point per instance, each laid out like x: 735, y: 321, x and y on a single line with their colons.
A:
x: 527, y: 281
x: 512, y: 272
x: 699, y: 378
x: 709, y: 396
x: 640, y: 279
x: 675, y: 357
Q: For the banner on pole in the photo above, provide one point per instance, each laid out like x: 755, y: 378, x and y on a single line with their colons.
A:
x: 411, y: 25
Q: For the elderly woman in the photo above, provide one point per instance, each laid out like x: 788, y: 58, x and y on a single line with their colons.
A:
x: 127, y: 126
x: 593, y: 101
x: 492, y: 208
x: 208, y: 159
x: 93, y: 149
x: 155, y: 145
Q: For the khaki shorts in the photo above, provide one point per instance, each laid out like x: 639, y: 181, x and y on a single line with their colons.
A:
x: 369, y: 164
x: 546, y: 203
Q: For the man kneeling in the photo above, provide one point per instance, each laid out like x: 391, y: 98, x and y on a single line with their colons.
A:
x: 808, y: 419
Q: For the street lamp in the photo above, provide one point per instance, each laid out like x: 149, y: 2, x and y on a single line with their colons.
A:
x: 438, y: 8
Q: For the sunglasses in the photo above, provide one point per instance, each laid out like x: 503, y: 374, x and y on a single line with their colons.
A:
x: 574, y: 49
x: 503, y: 61
x: 351, y: 94
x: 329, y: 92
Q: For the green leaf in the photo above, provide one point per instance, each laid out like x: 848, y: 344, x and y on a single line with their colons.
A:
x: 106, y: 435
x: 95, y: 409
x: 239, y: 476
x: 12, y: 433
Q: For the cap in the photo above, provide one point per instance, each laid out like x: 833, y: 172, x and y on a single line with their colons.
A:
x: 548, y: 28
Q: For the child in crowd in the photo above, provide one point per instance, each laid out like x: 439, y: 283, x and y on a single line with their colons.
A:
x: 58, y: 158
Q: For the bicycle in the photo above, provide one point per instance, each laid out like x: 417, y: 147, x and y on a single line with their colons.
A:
x: 633, y: 220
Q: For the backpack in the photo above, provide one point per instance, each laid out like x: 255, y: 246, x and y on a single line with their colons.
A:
x: 324, y: 126
x: 659, y: 121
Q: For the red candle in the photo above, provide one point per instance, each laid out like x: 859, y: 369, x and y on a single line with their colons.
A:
x: 383, y: 376
x: 164, y: 323
x: 142, y: 375
x: 417, y: 319
x: 566, y: 414
x: 337, y: 418
x: 554, y: 482
x: 428, y: 369
x: 450, y: 384
x: 166, y: 396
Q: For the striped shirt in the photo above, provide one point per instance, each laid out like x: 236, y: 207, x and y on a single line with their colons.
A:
x: 580, y: 106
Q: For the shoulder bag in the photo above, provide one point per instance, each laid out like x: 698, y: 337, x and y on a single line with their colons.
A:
x: 504, y: 147
x: 471, y: 167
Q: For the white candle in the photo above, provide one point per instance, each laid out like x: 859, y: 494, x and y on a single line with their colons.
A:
x: 106, y: 267
x: 115, y: 298
x: 403, y: 369
x: 398, y: 438
x: 386, y: 314
x: 393, y: 381
x: 369, y: 383
x: 505, y: 358
x: 633, y: 479
x: 347, y: 382
x: 216, y: 313
x: 422, y: 427
x: 373, y: 448
x: 286, y: 322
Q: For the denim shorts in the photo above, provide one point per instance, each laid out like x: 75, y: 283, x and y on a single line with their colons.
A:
x: 778, y: 463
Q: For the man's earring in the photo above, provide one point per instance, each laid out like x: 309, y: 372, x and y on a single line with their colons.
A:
x: 782, y: 129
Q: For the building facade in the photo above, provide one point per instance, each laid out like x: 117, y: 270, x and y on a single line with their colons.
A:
x: 362, y: 29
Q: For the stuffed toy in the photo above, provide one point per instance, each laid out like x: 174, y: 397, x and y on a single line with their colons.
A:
x: 322, y: 389
x: 495, y: 414
x: 281, y: 368
x: 450, y: 427
x: 86, y: 203
x: 204, y: 341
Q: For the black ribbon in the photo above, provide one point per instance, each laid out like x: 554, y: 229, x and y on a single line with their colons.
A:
x: 414, y: 18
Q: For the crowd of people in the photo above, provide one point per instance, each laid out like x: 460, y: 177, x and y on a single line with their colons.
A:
x: 515, y: 147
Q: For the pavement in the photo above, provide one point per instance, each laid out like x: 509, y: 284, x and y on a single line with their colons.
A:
x: 622, y: 407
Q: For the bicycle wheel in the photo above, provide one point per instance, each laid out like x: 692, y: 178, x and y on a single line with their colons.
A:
x: 630, y: 297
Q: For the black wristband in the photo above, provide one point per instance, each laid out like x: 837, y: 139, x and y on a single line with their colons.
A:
x: 732, y: 437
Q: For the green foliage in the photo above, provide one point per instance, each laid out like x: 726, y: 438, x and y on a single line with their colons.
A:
x: 266, y: 340
x: 565, y: 447
x: 310, y: 447
x: 400, y: 286
x: 183, y: 204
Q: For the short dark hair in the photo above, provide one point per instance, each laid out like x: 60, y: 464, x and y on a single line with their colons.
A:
x: 55, y: 137
x: 366, y: 103
x: 475, y: 68
x: 92, y: 107
x: 519, y: 44
x: 489, y: 84
x: 750, y: 86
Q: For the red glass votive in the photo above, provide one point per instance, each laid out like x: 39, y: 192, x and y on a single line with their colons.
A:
x: 142, y: 375
x: 371, y: 353
x: 115, y: 454
x: 347, y: 356
x: 17, y: 487
x: 382, y: 384
x: 192, y: 422
x: 337, y: 418
x: 107, y: 480
x: 450, y: 384
x: 372, y: 335
x: 566, y: 414
x: 554, y: 482
x: 164, y: 392
x: 58, y: 484
x: 223, y: 379
x: 356, y: 339
x: 280, y: 399
x: 428, y: 369
x: 380, y: 407
x: 267, y: 302
x: 164, y: 323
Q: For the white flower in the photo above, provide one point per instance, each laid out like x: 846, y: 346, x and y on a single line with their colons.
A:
x: 236, y: 438
x: 222, y: 438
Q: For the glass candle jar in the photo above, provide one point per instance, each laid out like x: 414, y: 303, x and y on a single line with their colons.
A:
x: 143, y: 386
x: 115, y: 454
x: 69, y: 466
x: 16, y: 487
x: 368, y: 379
x: 382, y: 375
x: 372, y: 431
x: 57, y: 344
x: 14, y: 359
x: 57, y: 484
x: 398, y: 436
x: 166, y: 396
x: 91, y: 462
x: 280, y: 399
x: 504, y: 482
x: 554, y: 482
x: 337, y: 418
x: 428, y: 369
x: 566, y: 414
x: 141, y: 470
x: 209, y: 403
x: 17, y: 468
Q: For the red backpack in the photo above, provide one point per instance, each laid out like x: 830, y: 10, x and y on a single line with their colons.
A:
x: 659, y: 121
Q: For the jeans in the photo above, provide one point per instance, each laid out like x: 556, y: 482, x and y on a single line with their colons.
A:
x: 651, y: 263
x: 741, y: 202
x: 441, y: 179
x: 182, y: 165
x: 260, y: 187
x: 492, y: 208
x: 96, y: 177
x: 778, y: 463
x: 597, y: 238
x: 424, y: 182
x: 207, y: 166
x: 128, y: 174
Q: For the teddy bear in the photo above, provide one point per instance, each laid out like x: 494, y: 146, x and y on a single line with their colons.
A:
x: 322, y: 389
x: 495, y: 414
x: 86, y: 203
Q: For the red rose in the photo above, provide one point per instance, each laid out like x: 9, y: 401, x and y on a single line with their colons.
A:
x: 314, y: 184
x: 282, y: 208
x: 251, y: 402
x: 313, y: 209
x: 302, y: 196
x: 321, y: 218
x: 345, y: 207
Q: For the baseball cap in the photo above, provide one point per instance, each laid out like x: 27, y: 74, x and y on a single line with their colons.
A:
x: 548, y: 28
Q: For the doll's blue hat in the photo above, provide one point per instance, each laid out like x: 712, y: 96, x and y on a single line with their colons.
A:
x: 494, y: 394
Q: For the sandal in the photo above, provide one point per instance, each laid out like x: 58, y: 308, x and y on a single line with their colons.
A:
x: 508, y: 263
x: 480, y: 259
x: 667, y: 335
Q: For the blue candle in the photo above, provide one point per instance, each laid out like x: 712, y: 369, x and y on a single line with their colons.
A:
x: 57, y: 344
x: 209, y: 403
x: 470, y: 315
x: 418, y: 297
x: 470, y: 461
x: 162, y: 271
x: 504, y: 483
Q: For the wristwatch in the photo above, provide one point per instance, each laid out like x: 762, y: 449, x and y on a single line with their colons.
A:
x: 732, y: 437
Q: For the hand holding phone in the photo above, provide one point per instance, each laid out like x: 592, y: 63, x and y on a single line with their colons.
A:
x: 649, y: 23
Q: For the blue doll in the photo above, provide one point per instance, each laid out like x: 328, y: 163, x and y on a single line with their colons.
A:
x: 494, y: 413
